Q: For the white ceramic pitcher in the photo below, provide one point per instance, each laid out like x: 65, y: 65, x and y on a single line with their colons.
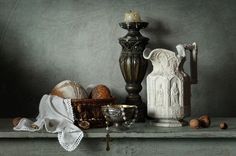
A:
x: 168, y: 86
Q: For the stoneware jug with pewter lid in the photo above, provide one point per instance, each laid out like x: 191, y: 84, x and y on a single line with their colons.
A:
x: 168, y: 86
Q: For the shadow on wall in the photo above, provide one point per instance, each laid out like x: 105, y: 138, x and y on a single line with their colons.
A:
x: 157, y: 31
x: 19, y: 92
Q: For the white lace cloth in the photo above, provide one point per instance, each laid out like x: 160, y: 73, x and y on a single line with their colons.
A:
x: 56, y: 115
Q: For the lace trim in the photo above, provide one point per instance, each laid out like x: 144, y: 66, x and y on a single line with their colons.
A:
x: 76, y: 142
x: 69, y: 109
x: 70, y: 147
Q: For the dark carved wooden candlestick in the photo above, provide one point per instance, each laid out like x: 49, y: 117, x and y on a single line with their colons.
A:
x: 132, y: 64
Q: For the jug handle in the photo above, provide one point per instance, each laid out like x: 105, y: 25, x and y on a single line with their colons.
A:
x: 192, y: 48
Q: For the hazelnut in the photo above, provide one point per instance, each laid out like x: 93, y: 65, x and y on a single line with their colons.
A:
x: 15, y: 121
x: 205, y: 121
x: 194, y: 123
x: 223, y: 125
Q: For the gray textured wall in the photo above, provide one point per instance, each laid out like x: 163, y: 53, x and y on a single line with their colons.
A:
x: 45, y: 41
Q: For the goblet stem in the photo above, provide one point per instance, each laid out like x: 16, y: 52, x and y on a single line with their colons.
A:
x: 108, y: 140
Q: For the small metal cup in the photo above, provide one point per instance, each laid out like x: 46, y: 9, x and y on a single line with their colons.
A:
x: 119, y: 113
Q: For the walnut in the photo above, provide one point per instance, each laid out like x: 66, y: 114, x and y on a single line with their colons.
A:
x: 34, y: 126
x: 84, y: 124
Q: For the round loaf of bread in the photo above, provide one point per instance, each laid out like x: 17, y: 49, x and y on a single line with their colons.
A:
x: 69, y: 89
x: 101, y: 92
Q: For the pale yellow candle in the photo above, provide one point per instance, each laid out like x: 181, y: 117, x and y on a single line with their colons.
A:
x: 132, y: 16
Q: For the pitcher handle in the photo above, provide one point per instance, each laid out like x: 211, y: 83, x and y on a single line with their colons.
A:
x: 192, y: 48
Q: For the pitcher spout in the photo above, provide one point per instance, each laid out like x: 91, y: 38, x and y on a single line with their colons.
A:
x: 147, y: 53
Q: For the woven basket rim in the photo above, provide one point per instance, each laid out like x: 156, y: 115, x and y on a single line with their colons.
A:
x: 92, y: 101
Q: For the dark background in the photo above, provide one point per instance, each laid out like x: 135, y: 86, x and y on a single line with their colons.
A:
x: 43, y: 42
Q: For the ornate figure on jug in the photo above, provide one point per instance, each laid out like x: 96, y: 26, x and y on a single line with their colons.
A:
x: 174, y: 94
